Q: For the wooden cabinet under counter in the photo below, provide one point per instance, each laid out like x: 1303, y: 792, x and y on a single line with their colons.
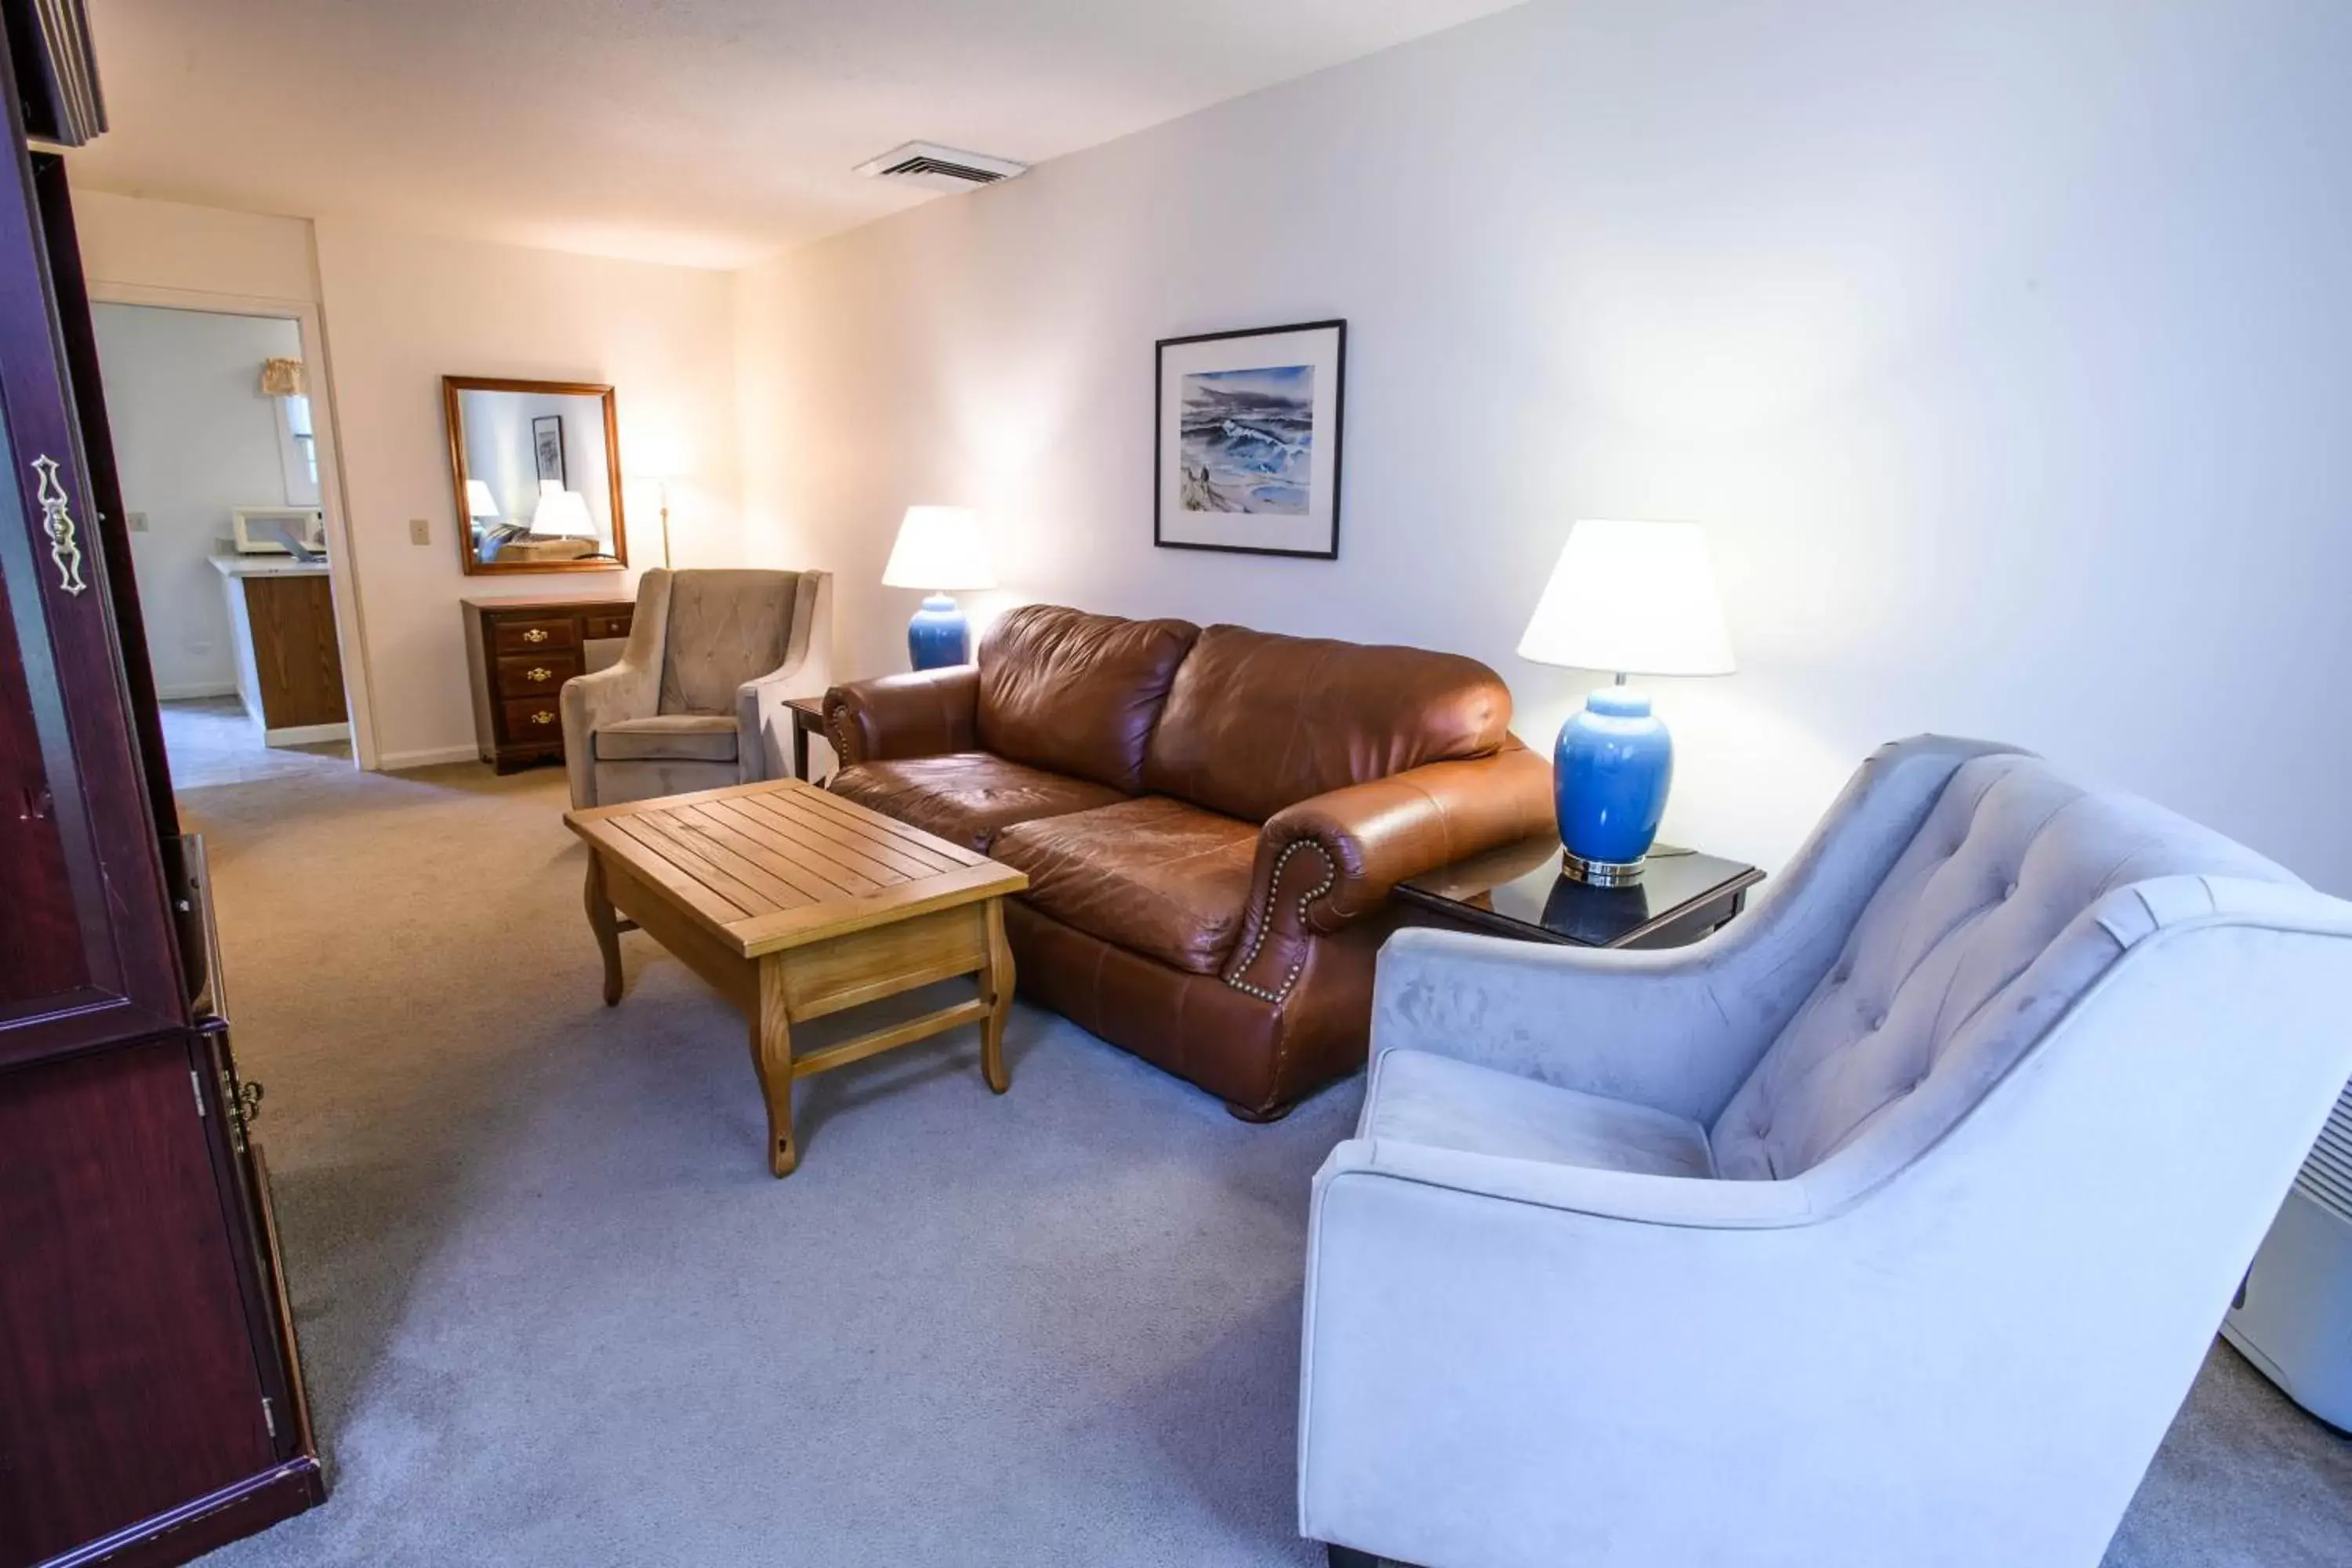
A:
x: 519, y: 654
x: 289, y: 668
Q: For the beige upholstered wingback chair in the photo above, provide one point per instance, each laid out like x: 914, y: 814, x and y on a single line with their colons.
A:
x: 696, y: 702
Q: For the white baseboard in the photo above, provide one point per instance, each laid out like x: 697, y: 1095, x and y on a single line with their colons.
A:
x: 306, y: 734
x: 194, y: 689
x: 432, y: 756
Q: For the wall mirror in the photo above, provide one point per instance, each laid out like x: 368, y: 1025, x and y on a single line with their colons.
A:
x: 537, y: 465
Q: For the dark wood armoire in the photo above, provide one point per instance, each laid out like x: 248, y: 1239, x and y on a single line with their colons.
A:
x: 150, y: 1401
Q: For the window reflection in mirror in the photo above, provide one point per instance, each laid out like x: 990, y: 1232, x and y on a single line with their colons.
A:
x: 538, y: 475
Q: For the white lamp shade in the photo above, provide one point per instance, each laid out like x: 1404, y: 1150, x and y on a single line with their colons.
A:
x: 940, y: 549
x: 563, y: 511
x: 1634, y: 598
x: 479, y: 502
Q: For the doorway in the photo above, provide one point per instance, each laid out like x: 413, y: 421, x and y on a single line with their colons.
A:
x: 218, y: 446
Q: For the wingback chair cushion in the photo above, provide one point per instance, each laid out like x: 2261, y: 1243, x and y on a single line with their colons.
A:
x: 1999, y: 913
x: 725, y: 627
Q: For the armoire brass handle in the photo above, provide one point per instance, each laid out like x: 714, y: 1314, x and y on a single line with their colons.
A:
x: 57, y: 521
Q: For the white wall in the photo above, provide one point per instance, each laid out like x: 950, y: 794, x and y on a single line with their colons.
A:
x: 171, y: 245
x: 405, y: 309
x: 194, y: 439
x: 2005, y: 347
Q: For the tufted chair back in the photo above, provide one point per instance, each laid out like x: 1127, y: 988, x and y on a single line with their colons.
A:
x: 2017, y: 892
x: 725, y: 627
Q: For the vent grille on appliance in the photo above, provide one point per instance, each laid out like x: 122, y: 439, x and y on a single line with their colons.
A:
x: 941, y: 168
x: 2326, y: 1178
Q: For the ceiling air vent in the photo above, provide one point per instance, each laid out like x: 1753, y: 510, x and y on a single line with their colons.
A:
x: 938, y: 168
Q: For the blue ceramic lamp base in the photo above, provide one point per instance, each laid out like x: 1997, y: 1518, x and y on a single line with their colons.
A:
x: 1610, y: 771
x: 938, y: 636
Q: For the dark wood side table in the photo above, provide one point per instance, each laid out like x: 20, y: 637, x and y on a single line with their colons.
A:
x: 1518, y: 892
x: 808, y: 719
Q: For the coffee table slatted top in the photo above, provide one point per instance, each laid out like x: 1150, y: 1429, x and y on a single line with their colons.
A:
x: 772, y: 866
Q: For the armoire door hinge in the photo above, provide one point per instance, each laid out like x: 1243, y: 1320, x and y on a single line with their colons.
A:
x: 268, y: 1418
x: 196, y: 1082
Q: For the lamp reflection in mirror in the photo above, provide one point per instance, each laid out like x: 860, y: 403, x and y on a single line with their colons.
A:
x: 563, y: 513
x: 1631, y: 598
x: 941, y: 551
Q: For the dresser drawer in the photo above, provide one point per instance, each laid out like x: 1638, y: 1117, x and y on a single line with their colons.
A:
x: 536, y: 674
x: 521, y: 635
x: 607, y: 624
x: 531, y: 719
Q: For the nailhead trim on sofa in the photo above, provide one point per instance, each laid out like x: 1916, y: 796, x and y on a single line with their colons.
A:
x: 1266, y: 923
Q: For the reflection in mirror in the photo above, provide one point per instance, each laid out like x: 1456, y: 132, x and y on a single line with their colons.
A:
x: 538, y: 475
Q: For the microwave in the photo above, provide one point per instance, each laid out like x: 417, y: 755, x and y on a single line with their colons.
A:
x: 256, y: 529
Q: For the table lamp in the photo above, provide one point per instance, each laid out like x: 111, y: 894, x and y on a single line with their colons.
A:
x: 940, y: 551
x: 479, y: 502
x: 1630, y: 598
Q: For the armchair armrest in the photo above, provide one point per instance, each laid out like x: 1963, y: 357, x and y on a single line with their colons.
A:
x: 1680, y: 1029
x: 764, y: 749
x: 924, y: 713
x: 1333, y: 859
x: 630, y: 689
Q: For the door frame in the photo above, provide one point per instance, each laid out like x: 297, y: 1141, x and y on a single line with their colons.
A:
x: 343, y: 560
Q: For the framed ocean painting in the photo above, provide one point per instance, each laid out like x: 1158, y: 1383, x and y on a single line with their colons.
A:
x: 1249, y: 440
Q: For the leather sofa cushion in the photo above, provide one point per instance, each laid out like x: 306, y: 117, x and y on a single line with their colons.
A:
x: 1075, y: 693
x: 1257, y: 721
x: 668, y: 738
x: 966, y: 798
x: 1419, y: 1097
x: 725, y: 627
x: 1156, y: 875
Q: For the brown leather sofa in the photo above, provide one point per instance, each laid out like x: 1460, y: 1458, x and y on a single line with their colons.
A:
x: 1211, y: 821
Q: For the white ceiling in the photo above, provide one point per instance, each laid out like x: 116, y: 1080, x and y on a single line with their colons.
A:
x: 710, y: 133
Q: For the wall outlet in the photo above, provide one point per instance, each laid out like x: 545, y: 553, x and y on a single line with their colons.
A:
x: 138, y: 522
x: 420, y: 531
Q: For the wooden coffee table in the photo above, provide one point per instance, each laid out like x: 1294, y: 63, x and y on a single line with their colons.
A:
x: 795, y: 903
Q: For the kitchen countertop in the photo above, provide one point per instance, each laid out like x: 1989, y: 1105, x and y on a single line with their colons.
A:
x: 268, y: 566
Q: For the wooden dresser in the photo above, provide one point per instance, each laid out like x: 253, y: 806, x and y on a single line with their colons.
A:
x: 519, y: 654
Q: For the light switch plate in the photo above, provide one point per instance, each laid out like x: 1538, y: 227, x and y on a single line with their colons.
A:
x: 420, y: 531
x: 138, y: 522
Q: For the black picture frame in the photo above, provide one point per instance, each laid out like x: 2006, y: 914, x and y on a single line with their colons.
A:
x: 546, y: 441
x: 1161, y: 456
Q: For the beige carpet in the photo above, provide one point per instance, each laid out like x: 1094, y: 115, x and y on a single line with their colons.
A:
x: 554, y: 1310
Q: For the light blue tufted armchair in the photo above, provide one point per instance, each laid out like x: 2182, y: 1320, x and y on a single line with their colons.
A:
x: 1890, y: 1225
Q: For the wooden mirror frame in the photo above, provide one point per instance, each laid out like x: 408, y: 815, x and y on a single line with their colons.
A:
x: 453, y: 418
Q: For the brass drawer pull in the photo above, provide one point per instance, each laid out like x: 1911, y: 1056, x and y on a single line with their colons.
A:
x: 542, y: 717
x: 538, y: 672
x: 536, y: 634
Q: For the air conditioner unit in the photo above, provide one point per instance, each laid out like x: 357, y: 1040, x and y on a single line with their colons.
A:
x: 2293, y: 1317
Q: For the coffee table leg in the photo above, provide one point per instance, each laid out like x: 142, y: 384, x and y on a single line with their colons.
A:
x: 771, y: 1053
x: 608, y: 932
x: 996, y: 989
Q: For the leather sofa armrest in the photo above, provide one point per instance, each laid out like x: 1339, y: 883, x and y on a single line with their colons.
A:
x: 924, y: 713
x: 1333, y: 859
